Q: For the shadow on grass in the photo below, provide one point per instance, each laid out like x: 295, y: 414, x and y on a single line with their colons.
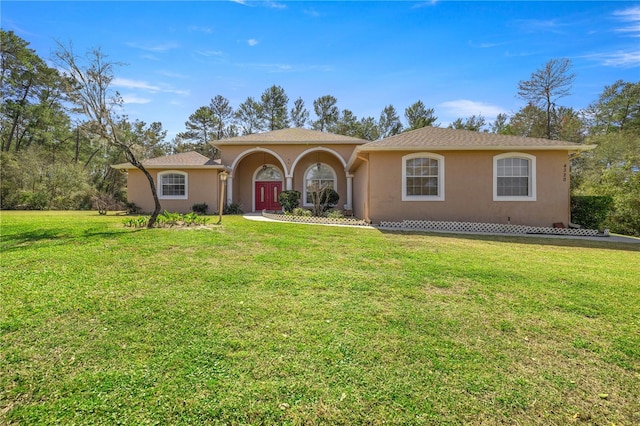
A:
x: 530, y: 239
x: 24, y: 240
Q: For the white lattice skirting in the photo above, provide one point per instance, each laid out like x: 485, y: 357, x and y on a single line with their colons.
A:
x: 495, y: 228
x: 313, y: 219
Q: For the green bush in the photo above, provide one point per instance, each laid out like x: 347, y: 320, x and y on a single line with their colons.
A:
x: 233, y: 208
x: 298, y: 211
x: 289, y: 200
x: 200, y: 208
x: 590, y: 211
x: 334, y: 214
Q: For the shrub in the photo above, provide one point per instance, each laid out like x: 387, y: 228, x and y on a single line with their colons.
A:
x: 590, y: 211
x: 323, y: 200
x: 200, y: 208
x: 233, y: 208
x: 289, y: 200
x: 334, y: 214
x: 298, y: 211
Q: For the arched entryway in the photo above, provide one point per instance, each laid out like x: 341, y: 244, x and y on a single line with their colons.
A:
x: 267, y: 187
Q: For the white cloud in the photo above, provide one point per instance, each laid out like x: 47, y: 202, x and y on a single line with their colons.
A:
x: 631, y: 15
x: 275, y: 5
x: 133, y: 99
x: 153, y: 48
x: 209, y: 53
x: 143, y: 85
x: 252, y: 42
x: 618, y: 59
x: 196, y: 28
x: 466, y: 108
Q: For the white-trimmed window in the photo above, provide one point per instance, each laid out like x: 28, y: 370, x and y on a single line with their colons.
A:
x: 173, y: 185
x: 317, y: 177
x: 423, y: 177
x: 514, y: 177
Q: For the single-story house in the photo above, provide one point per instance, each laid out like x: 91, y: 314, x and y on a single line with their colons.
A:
x: 430, y: 173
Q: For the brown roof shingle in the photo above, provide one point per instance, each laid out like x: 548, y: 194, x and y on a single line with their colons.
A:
x: 290, y: 136
x: 443, y: 138
x: 189, y: 159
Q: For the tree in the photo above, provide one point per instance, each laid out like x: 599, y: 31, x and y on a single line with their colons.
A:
x: 389, y: 123
x: 546, y: 85
x: 249, y: 116
x: 500, y: 124
x: 617, y: 109
x: 418, y: 116
x: 223, y: 116
x: 346, y: 125
x: 613, y: 168
x: 91, y: 91
x: 326, y: 111
x: 530, y: 121
x: 274, y: 108
x: 473, y: 123
x: 299, y: 114
x: 201, y: 126
x: 31, y: 97
x: 368, y: 129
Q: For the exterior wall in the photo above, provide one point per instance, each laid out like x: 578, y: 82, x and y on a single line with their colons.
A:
x: 203, y: 187
x: 292, y: 162
x: 360, y: 190
x: 468, y: 190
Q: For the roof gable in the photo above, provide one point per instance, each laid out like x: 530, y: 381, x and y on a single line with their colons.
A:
x: 290, y: 136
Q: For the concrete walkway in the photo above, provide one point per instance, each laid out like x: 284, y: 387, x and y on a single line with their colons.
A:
x: 613, y: 238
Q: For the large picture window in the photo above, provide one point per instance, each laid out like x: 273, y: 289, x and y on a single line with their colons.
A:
x: 172, y: 185
x: 423, y: 177
x: 317, y: 177
x: 514, y: 177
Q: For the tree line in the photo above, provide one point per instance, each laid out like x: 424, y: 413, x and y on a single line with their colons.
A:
x: 60, y: 131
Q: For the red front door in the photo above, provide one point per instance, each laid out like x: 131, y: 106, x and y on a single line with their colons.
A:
x: 267, y: 195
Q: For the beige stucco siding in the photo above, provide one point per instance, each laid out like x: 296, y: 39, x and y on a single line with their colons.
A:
x: 291, y: 160
x: 468, y: 190
x: 202, y: 188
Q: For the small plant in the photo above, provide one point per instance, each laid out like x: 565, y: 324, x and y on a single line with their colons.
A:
x: 132, y: 208
x: 299, y: 211
x: 200, y: 208
x: 289, y: 200
x: 233, y: 208
x: 169, y: 219
x: 334, y: 214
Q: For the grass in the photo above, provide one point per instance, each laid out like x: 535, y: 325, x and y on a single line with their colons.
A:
x: 269, y: 323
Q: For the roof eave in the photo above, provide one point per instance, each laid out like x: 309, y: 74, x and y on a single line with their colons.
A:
x: 129, y: 166
x: 573, y: 148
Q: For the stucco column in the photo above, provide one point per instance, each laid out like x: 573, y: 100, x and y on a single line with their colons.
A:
x: 229, y: 199
x: 289, y: 183
x: 349, y: 205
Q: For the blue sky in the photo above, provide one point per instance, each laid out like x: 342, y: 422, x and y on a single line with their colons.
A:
x: 460, y: 58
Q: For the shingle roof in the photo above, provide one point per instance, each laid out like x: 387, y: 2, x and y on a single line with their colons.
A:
x: 437, y: 138
x: 290, y: 136
x: 189, y: 159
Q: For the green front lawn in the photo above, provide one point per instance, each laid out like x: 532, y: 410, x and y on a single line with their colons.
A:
x: 279, y: 323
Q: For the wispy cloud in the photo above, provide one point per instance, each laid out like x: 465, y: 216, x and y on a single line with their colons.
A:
x: 630, y: 16
x: 538, y: 25
x: 198, y: 29
x: 209, y: 53
x: 619, y: 59
x: 427, y: 3
x: 467, y: 108
x: 312, y: 12
x: 275, y: 5
x: 145, y: 86
x: 281, y: 68
x: 153, y: 48
x: 252, y: 42
x: 485, y: 45
x: 133, y: 99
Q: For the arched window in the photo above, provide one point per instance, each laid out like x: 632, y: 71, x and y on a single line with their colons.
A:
x: 317, y: 177
x: 268, y: 173
x: 423, y: 177
x: 173, y: 185
x: 514, y: 177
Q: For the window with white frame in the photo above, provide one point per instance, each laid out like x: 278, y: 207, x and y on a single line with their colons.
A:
x: 317, y: 177
x: 514, y: 177
x: 172, y: 185
x: 423, y: 177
